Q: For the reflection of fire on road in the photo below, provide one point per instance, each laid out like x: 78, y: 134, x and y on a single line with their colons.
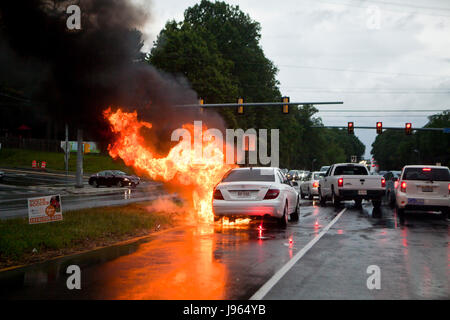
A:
x: 195, y: 181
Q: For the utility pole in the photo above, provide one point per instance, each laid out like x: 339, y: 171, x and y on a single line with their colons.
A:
x: 79, y: 175
x: 67, y: 153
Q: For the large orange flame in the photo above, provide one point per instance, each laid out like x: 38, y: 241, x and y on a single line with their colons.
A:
x: 177, y: 167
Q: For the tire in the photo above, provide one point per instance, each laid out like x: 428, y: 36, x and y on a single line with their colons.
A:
x: 400, y: 212
x: 358, y: 203
x: 311, y: 197
x: 95, y: 184
x: 376, y: 203
x: 322, y: 199
x: 301, y: 194
x: 282, y: 222
x: 391, y: 200
x: 296, y: 214
x: 444, y: 213
x: 119, y: 184
x: 335, y: 199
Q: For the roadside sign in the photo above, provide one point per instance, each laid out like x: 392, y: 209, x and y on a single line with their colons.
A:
x: 44, y: 209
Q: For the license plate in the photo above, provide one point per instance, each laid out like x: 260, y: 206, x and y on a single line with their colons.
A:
x: 415, y: 201
x: 427, y: 189
x: 243, y: 194
x: 362, y: 192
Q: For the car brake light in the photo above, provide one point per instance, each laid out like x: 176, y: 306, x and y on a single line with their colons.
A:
x: 403, y: 187
x: 449, y: 188
x: 315, y: 184
x: 426, y: 169
x: 395, y: 184
x: 383, y: 182
x: 271, y: 194
x: 340, y: 182
x: 217, y: 195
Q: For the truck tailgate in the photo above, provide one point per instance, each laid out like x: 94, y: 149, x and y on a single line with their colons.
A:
x: 362, y: 182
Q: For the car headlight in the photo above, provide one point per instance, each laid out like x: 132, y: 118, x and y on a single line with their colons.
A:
x: 126, y: 179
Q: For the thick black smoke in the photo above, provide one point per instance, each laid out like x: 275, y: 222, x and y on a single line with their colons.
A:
x: 78, y: 74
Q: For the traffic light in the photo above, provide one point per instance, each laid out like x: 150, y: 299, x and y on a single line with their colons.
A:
x: 285, y: 106
x: 240, y: 109
x: 350, y: 128
x: 379, y: 127
x: 201, y: 102
x: 408, y: 128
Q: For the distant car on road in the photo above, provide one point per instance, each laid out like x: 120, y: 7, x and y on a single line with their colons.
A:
x: 253, y: 192
x: 2, y: 174
x: 293, y: 175
x: 113, y: 178
x: 391, y: 178
x: 424, y: 188
x: 310, y: 185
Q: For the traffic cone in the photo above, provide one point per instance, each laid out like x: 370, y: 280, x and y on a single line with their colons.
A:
x: 43, y: 165
x: 33, y: 164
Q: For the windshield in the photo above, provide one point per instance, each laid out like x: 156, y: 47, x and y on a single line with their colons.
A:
x: 119, y: 173
x: 423, y: 174
x: 292, y: 172
x: 249, y: 175
x: 350, y: 170
x: 318, y: 175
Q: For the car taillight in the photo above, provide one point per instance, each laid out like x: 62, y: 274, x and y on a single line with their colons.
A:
x: 315, y: 184
x: 449, y: 188
x: 383, y: 183
x: 217, y: 195
x: 340, y: 182
x: 271, y: 194
x: 426, y: 169
x: 403, y: 187
x: 395, y: 184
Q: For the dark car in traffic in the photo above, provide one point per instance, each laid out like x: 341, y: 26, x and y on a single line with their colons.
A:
x: 113, y: 178
x: 391, y: 178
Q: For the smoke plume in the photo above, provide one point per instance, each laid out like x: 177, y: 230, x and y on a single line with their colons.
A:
x: 76, y: 74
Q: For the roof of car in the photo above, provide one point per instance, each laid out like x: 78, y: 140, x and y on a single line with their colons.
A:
x: 259, y: 168
x: 425, y: 166
x: 349, y: 163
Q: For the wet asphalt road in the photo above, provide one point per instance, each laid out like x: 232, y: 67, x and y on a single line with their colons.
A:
x: 206, y: 262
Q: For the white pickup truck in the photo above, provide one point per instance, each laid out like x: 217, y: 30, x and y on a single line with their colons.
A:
x: 351, y: 181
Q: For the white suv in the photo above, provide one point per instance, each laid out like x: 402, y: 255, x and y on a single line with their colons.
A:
x: 423, y: 188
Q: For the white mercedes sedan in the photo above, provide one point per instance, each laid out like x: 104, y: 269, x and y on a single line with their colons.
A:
x: 259, y: 191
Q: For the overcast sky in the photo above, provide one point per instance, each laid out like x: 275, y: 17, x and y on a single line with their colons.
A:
x: 372, y: 55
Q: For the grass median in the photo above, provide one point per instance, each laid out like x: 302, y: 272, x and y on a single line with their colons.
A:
x: 55, y: 160
x: 86, y: 229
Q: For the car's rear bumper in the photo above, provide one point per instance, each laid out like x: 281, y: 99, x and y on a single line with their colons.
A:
x: 353, y: 194
x: 314, y: 191
x: 272, y: 208
x: 422, y: 204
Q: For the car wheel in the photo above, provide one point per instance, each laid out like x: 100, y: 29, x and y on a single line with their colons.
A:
x: 444, y: 213
x: 133, y: 185
x: 296, y: 214
x: 391, y: 200
x: 335, y: 199
x: 119, y: 184
x: 322, y: 199
x: 400, y: 212
x: 95, y: 184
x: 376, y: 203
x: 301, y: 194
x: 310, y: 196
x: 358, y: 203
x: 284, y: 219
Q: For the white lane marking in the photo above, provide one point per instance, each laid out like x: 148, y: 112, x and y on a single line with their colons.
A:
x: 258, y: 295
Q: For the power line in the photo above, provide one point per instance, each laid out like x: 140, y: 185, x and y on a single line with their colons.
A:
x: 387, y: 9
